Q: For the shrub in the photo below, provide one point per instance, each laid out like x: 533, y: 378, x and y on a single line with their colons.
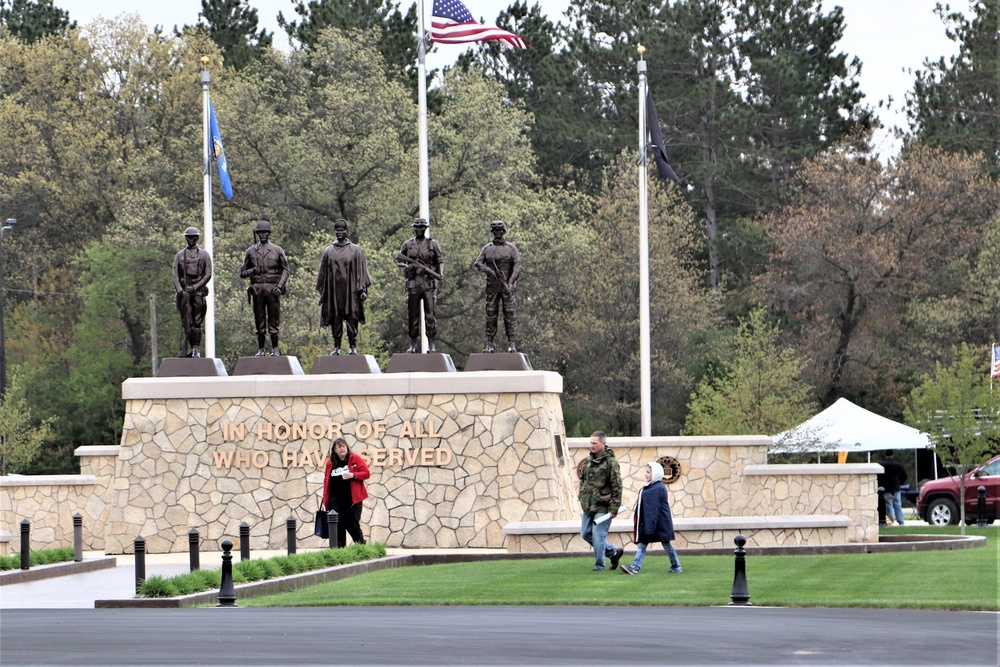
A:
x: 40, y: 557
x: 189, y: 583
x: 271, y: 569
x: 210, y: 578
x: 250, y: 569
x: 256, y: 570
x: 285, y: 563
x: 157, y: 586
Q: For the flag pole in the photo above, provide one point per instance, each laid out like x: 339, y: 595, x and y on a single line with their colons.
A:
x: 206, y: 134
x: 425, y: 204
x: 644, y: 353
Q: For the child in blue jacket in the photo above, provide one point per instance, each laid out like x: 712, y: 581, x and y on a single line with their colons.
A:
x: 653, y: 520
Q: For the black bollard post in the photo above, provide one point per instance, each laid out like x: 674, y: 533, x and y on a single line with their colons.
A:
x: 140, y: 562
x: 227, y: 592
x: 881, y: 506
x: 332, y: 519
x: 290, y: 530
x: 25, y: 545
x: 193, y: 544
x: 981, y: 508
x: 741, y: 594
x: 77, y: 537
x: 244, y: 541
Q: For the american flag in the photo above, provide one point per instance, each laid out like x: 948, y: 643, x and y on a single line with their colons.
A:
x: 452, y: 23
x: 995, y: 366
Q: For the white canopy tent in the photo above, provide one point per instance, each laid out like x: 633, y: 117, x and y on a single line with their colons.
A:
x: 845, y: 426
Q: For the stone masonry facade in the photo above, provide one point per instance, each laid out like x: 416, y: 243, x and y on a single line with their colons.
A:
x: 493, y: 455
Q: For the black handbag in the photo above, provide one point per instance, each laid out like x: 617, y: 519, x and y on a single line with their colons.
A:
x: 322, y: 528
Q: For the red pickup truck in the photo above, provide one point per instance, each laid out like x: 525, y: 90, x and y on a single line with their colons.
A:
x: 937, y: 502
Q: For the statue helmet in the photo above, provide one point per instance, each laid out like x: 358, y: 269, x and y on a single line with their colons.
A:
x: 340, y: 223
x: 420, y: 222
x: 191, y: 231
x: 262, y: 226
x: 498, y: 223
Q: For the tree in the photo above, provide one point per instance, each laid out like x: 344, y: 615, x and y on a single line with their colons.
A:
x: 803, y: 93
x: 954, y: 103
x: 602, y: 341
x: 105, y: 137
x: 756, y: 388
x: 862, y: 242
x: 542, y: 78
x: 21, y: 437
x: 31, y: 20
x: 958, y: 410
x: 396, y: 31
x: 233, y: 26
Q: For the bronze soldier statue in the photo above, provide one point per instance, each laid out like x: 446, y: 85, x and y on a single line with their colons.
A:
x: 343, y: 286
x: 267, y: 268
x: 501, y: 263
x: 192, y: 272
x: 423, y: 266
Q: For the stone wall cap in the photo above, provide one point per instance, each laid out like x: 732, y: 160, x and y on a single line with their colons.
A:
x: 678, y: 441
x: 44, y: 480
x: 347, y: 384
x: 812, y: 469
x: 97, y: 450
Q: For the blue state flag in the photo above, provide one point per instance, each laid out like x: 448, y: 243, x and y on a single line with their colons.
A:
x: 219, y: 152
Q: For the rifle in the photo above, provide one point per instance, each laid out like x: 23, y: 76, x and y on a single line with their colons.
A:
x: 400, y: 257
x: 504, y: 285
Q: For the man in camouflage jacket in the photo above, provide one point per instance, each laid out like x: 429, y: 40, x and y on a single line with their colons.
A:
x: 600, y: 497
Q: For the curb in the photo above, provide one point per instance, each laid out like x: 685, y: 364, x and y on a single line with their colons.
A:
x: 257, y: 588
x: 40, y: 572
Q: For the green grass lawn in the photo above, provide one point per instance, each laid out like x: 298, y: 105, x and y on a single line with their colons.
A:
x: 965, y: 579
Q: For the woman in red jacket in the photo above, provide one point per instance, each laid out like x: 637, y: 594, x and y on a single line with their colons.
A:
x: 344, y: 490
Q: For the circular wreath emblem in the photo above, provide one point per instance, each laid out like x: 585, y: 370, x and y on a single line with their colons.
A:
x: 671, y: 469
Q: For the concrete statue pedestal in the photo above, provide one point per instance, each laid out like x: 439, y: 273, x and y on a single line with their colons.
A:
x: 268, y: 366
x: 498, y: 361
x: 345, y: 363
x: 176, y: 367
x: 428, y: 362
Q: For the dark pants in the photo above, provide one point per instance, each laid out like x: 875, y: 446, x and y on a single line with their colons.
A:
x: 493, y: 301
x: 414, y: 298
x: 192, y: 308
x: 348, y: 521
x: 337, y: 327
x: 266, y: 308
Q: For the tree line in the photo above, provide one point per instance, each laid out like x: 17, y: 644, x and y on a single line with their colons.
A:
x: 790, y: 241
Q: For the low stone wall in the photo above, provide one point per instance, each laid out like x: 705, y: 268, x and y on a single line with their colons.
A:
x: 728, y: 476
x: 704, y: 533
x: 847, y: 489
x: 50, y: 501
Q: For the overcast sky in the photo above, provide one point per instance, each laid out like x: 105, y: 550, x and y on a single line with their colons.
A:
x: 889, y: 36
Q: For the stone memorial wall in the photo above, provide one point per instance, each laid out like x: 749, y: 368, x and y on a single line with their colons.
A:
x: 452, y: 456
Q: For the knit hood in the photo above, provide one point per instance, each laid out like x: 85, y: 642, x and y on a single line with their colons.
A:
x: 657, y: 473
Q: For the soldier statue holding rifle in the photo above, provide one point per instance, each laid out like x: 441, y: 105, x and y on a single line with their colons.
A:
x: 423, y: 265
x: 501, y: 263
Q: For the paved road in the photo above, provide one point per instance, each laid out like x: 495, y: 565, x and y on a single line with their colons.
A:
x: 506, y: 636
